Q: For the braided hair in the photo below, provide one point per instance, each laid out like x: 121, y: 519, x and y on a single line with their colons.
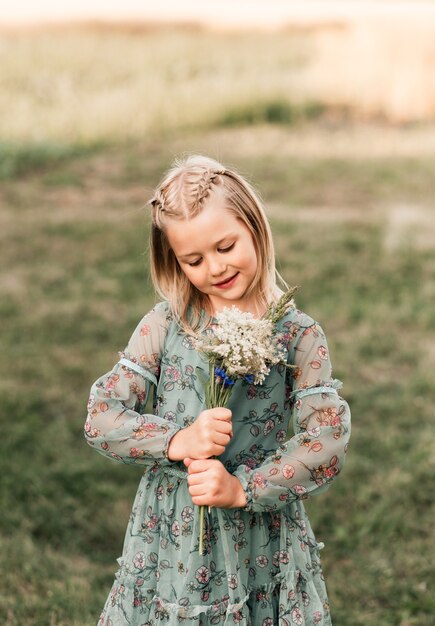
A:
x: 181, y: 195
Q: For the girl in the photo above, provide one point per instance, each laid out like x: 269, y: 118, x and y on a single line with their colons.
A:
x: 211, y: 247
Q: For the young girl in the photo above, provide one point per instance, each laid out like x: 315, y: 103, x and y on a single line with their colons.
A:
x: 211, y: 248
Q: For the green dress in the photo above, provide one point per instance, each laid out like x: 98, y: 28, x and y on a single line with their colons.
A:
x: 261, y: 566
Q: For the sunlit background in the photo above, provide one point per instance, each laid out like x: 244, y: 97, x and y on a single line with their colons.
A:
x: 372, y: 60
x: 329, y: 109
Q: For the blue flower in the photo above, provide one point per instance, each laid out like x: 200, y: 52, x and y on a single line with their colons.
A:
x: 222, y: 377
x: 249, y: 378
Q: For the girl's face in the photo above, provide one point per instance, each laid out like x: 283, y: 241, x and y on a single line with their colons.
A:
x: 216, y: 252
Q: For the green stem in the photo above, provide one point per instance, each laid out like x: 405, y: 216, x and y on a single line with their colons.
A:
x: 216, y: 396
x: 201, y: 529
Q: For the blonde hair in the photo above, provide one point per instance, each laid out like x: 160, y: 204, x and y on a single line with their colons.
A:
x: 180, y: 196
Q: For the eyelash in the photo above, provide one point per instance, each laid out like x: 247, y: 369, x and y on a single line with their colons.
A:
x: 222, y: 250
x: 228, y: 248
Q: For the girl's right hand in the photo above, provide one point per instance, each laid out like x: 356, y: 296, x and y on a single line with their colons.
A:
x: 208, y: 436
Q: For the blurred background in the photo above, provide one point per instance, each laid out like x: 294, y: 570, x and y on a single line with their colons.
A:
x: 328, y: 108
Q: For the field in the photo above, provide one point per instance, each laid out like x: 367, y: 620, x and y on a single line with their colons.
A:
x: 351, y: 204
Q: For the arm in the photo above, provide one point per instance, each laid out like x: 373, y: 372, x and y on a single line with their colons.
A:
x: 309, y: 460
x: 116, y: 425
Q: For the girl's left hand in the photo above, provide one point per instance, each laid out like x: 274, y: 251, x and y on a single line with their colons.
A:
x: 211, y: 485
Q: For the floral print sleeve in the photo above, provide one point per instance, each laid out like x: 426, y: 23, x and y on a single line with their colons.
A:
x: 320, y: 419
x: 116, y: 424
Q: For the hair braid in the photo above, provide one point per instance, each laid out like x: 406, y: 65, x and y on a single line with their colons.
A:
x: 158, y: 201
x: 204, y: 186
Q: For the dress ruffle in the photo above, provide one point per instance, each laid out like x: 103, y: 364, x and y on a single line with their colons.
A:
x: 286, y: 600
x: 282, y: 583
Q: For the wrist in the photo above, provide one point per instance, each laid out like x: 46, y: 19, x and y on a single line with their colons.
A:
x: 177, y: 449
x: 240, y: 498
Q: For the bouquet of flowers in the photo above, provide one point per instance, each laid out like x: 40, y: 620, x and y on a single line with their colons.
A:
x: 240, y: 347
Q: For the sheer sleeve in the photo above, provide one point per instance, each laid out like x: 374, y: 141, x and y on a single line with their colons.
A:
x: 314, y: 454
x: 116, y: 425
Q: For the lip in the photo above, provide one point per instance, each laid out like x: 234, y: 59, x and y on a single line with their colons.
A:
x: 227, y: 283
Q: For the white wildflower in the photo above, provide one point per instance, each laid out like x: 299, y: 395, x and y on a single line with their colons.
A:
x: 242, y: 345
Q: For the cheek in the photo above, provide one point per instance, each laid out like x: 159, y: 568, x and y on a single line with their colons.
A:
x: 192, y: 276
x: 249, y: 255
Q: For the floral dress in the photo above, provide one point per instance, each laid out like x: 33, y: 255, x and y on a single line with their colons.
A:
x: 261, y: 565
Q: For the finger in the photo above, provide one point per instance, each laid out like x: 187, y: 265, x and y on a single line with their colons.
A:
x: 223, y: 427
x: 204, y: 500
x: 198, y: 490
x: 187, y: 461
x: 194, y: 479
x: 222, y: 414
x: 219, y: 450
x: 199, y: 465
x: 213, y: 451
x: 221, y: 439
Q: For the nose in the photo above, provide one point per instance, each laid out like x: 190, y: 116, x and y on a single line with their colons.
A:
x: 216, y: 266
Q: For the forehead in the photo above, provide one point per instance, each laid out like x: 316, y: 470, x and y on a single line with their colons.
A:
x: 213, y: 224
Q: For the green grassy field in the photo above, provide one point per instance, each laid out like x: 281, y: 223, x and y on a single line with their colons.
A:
x: 353, y: 222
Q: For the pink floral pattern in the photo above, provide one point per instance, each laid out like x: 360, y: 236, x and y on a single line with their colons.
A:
x: 262, y: 564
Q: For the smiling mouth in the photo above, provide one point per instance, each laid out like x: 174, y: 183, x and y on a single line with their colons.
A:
x: 225, y: 282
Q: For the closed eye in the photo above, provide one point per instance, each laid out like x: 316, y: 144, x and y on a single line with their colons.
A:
x: 221, y: 250
x: 228, y: 248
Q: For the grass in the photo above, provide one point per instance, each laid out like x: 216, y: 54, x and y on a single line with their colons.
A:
x: 88, y: 86
x: 73, y: 286
x: 17, y: 159
x: 271, y: 112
